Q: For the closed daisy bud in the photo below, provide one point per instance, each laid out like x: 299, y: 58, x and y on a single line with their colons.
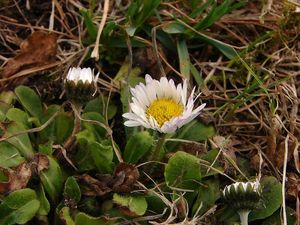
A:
x: 161, y: 105
x: 242, y: 196
x: 80, y: 84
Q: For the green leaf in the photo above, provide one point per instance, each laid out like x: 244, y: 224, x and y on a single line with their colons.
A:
x: 138, y: 12
x: 18, y: 115
x: 49, y: 132
x: 83, y: 156
x: 98, y: 131
x: 84, y: 219
x: 46, y: 148
x: 275, y: 219
x: 21, y: 142
x: 196, y: 131
x: 179, y: 27
x: 136, y: 204
x: 183, y: 171
x: 163, y: 37
x: 137, y: 146
x: 3, y: 176
x: 197, y: 75
x: 174, y: 27
x: 210, y: 158
x: 208, y: 194
x: 72, y: 190
x: 63, y: 127
x: 9, y: 155
x: 199, y: 10
x: 184, y: 58
x: 102, y: 155
x: 226, y: 49
x: 214, y: 15
x: 228, y: 214
x: 100, y: 105
x: 44, y: 203
x: 18, y: 207
x: 271, y: 197
x: 108, y: 30
x: 155, y: 203
x: 52, y: 180
x: 60, y: 128
x: 85, y: 136
x: 2, y: 118
x: 30, y: 101
x: 6, y: 100
x: 65, y: 216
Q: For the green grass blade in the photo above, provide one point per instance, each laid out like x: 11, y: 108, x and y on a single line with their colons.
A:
x: 184, y: 58
x: 90, y: 26
x: 200, y: 10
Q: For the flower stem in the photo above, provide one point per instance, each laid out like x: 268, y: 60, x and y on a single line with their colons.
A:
x: 77, y: 124
x: 244, y: 216
x: 158, y: 148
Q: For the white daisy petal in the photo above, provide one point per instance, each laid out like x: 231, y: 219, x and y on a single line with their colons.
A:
x: 148, y: 79
x: 150, y: 91
x: 184, y: 92
x: 77, y: 74
x: 131, y: 123
x: 158, y: 89
x: 130, y: 116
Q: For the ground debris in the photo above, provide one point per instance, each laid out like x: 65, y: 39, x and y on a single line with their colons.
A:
x: 39, y: 49
x: 125, y: 176
x: 20, y: 176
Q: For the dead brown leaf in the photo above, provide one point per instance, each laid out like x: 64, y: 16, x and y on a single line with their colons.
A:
x: 280, y: 152
x: 293, y: 185
x: 194, y: 148
x: 91, y: 186
x: 39, y: 163
x: 146, y: 58
x: 125, y: 177
x: 37, y: 50
x: 272, y: 139
x: 17, y: 179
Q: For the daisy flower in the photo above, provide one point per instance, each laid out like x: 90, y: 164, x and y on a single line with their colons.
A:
x: 161, y: 105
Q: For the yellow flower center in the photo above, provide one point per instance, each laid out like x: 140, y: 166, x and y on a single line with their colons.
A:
x: 163, y: 110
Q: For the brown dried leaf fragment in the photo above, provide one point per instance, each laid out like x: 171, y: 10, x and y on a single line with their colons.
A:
x: 293, y: 185
x: 194, y: 148
x: 272, y: 139
x: 125, y: 177
x: 37, y: 50
x: 280, y: 152
x: 91, y: 186
x: 39, y: 163
x: 146, y: 59
x: 17, y: 179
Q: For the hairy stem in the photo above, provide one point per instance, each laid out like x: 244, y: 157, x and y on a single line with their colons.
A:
x: 157, y: 151
x: 77, y: 125
x: 244, y: 216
